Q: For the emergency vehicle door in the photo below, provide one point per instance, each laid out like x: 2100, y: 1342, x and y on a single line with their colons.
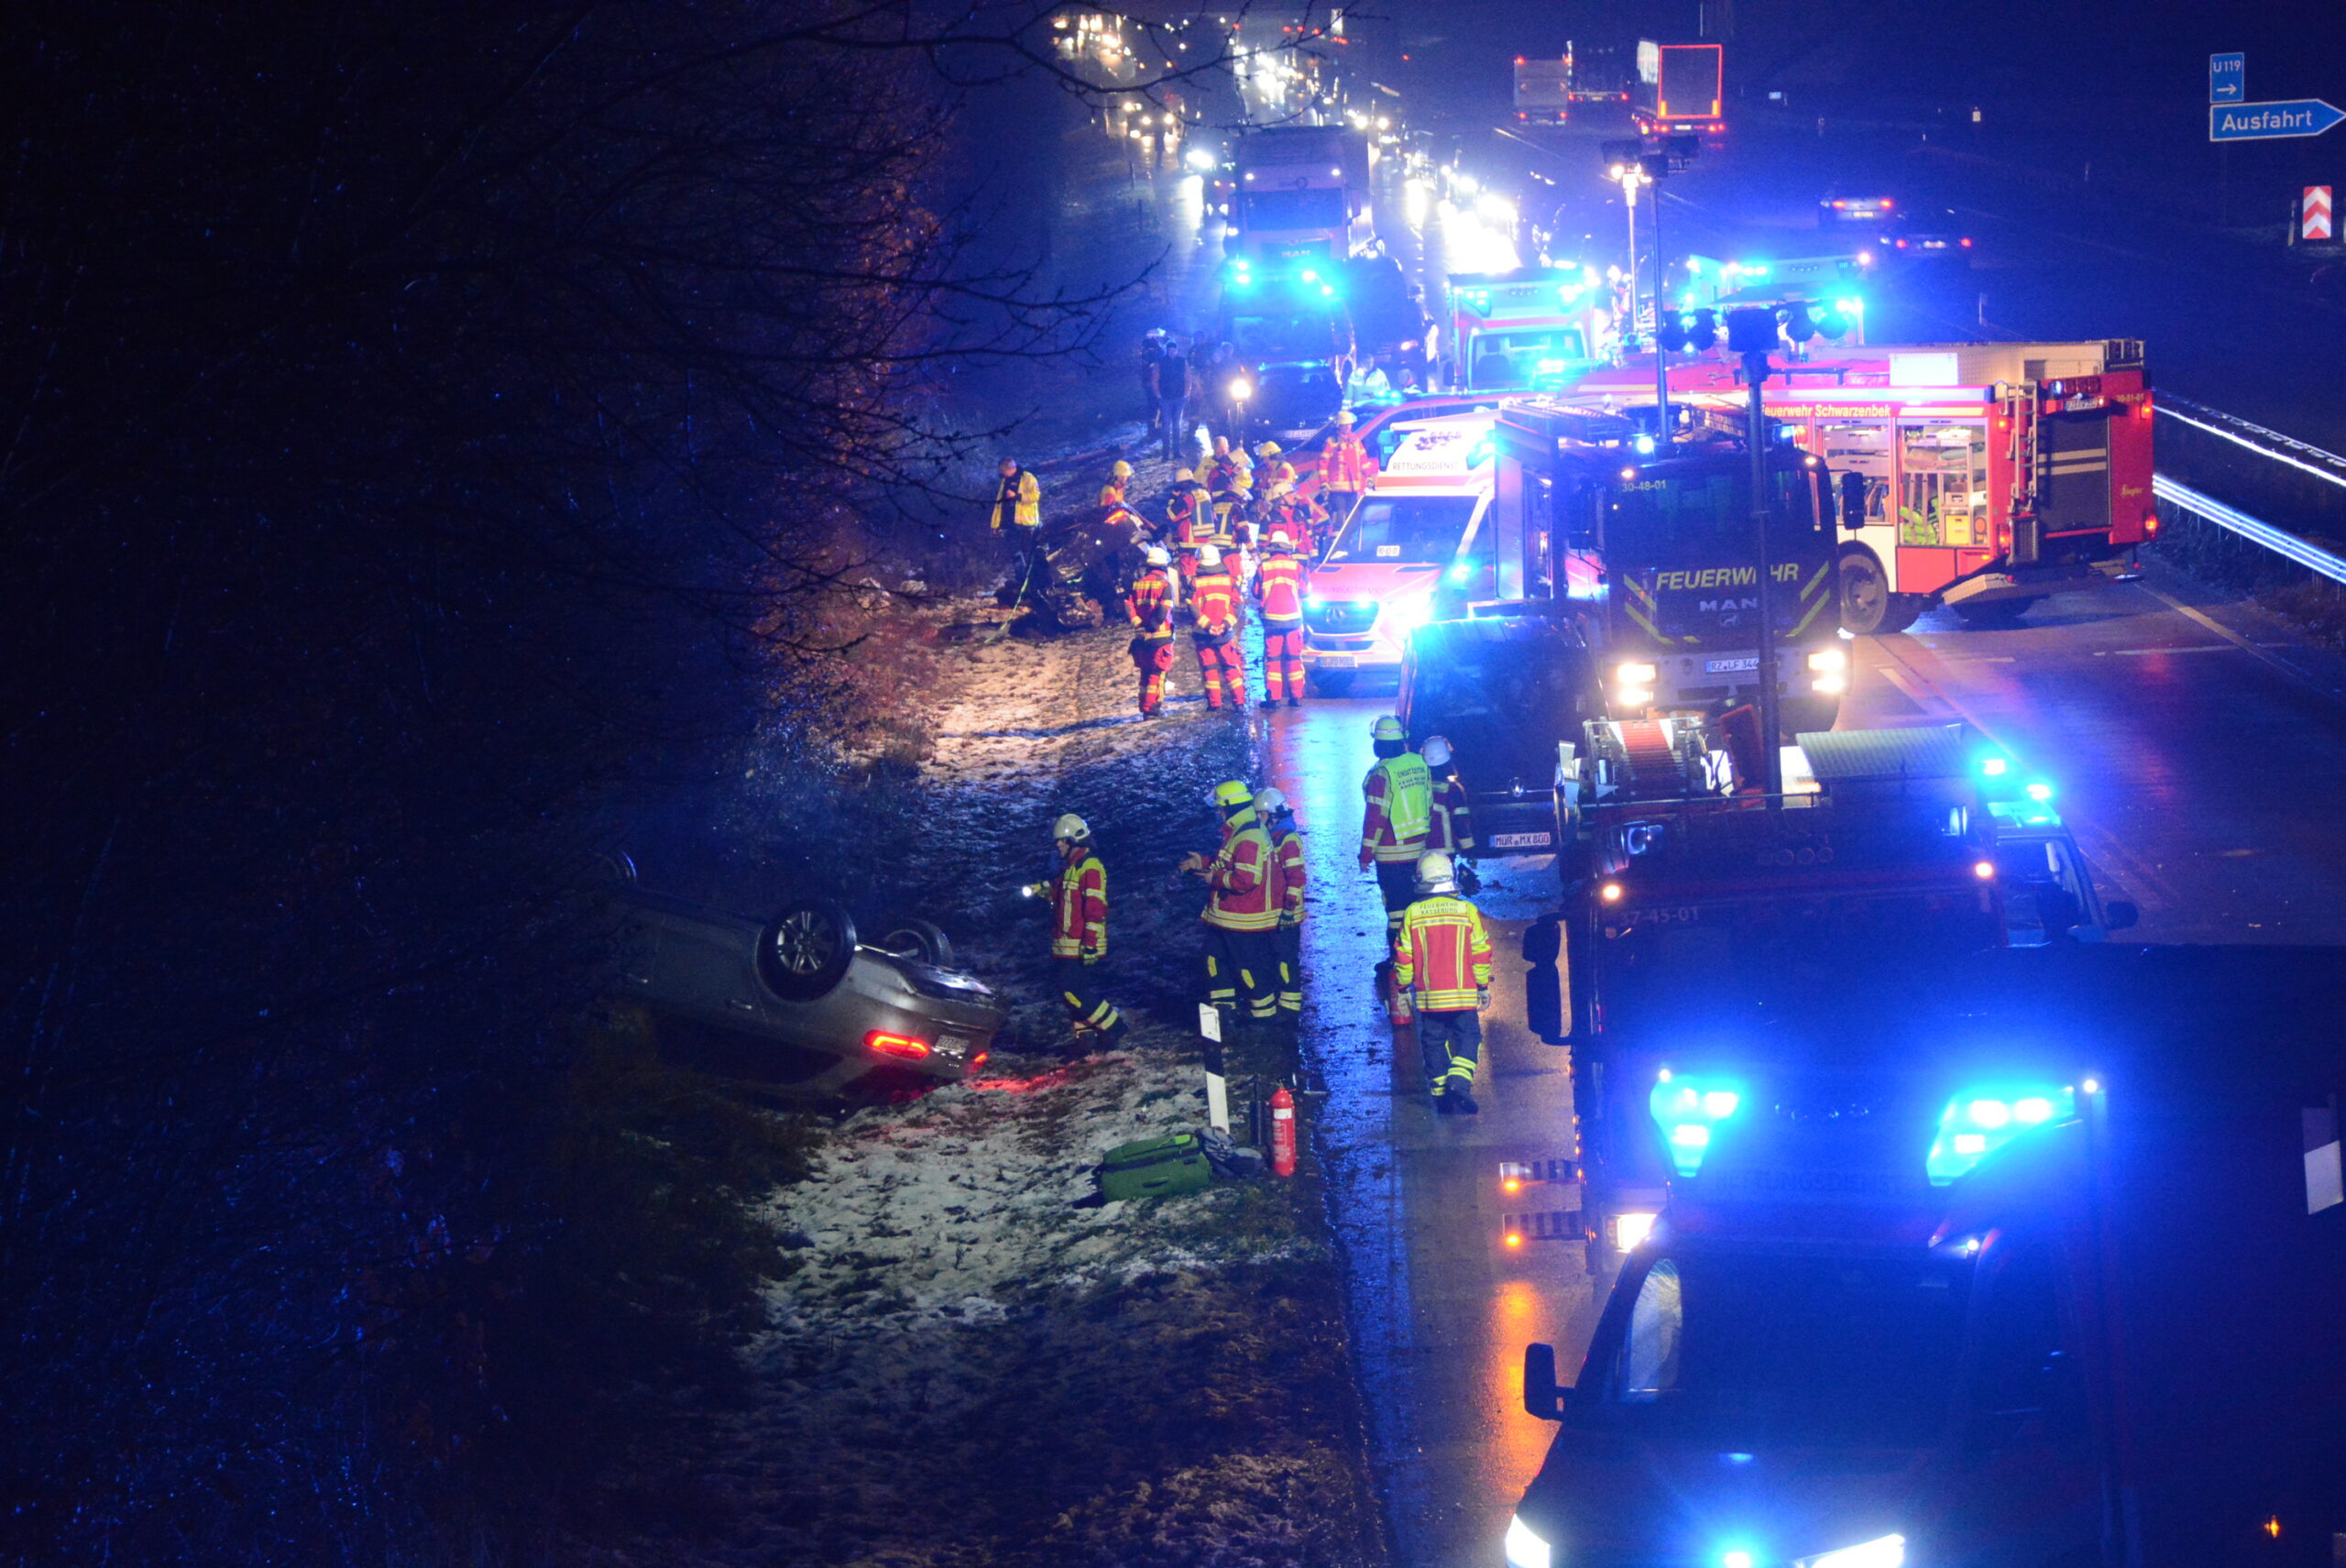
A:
x: 2033, y: 1484
x: 2073, y: 471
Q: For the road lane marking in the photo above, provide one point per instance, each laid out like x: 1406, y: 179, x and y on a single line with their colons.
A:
x: 2300, y: 677
x: 2151, y: 652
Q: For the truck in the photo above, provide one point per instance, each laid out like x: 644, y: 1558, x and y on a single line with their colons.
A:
x: 1543, y: 89
x: 1696, y: 910
x: 1679, y: 87
x: 1521, y: 331
x: 1303, y: 195
x: 1979, y: 477
x: 2048, y: 1275
x: 1648, y: 543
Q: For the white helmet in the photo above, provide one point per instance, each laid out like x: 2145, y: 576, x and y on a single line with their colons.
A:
x: 1072, y: 829
x: 1208, y: 556
x: 1434, y: 873
x: 1156, y: 555
x: 1269, y: 804
x: 1280, y: 540
x: 1436, y: 751
x: 1184, y: 477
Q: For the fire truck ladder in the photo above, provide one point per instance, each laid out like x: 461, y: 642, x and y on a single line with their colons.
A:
x: 2020, y: 407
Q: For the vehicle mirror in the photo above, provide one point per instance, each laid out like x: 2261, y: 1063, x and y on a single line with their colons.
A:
x: 1853, y: 501
x: 2119, y: 914
x: 1541, y: 1396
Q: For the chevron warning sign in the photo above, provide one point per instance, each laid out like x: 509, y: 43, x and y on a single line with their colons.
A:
x: 2314, y: 221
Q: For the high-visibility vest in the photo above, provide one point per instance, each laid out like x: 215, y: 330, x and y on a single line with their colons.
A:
x: 1239, y: 879
x: 1018, y: 499
x: 1452, y: 827
x: 1287, y: 861
x: 1216, y: 603
x: 1443, y: 953
x: 1400, y: 808
x: 1278, y: 584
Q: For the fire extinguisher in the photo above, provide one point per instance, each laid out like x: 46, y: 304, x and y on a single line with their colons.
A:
x: 1283, y: 1133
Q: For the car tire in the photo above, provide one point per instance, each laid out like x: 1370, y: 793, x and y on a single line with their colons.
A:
x: 1904, y: 609
x: 1994, y: 613
x: 920, y: 941
x: 1330, y: 685
x: 803, y: 951
x: 1866, y: 599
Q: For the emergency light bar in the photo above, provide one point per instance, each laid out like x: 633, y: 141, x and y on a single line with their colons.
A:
x: 1978, y: 1121
x: 1687, y: 1110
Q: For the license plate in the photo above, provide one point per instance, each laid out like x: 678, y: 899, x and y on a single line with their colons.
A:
x: 1521, y: 840
x: 1338, y: 661
x: 1730, y: 666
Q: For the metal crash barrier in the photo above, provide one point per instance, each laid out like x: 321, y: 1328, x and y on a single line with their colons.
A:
x: 2278, y: 473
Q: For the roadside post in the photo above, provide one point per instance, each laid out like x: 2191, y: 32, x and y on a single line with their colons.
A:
x: 1751, y: 334
x: 1217, y: 1086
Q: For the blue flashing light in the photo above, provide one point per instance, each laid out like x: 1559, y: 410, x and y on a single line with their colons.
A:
x: 1688, y: 1111
x: 1982, y: 1120
x: 1485, y: 450
x: 2040, y: 791
x: 1850, y: 305
x: 1462, y: 572
x: 1644, y: 444
x: 1309, y: 275
x: 1734, y: 1558
x: 1994, y: 767
x: 1313, y: 601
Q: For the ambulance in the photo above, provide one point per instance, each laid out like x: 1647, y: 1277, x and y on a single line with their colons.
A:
x: 1426, y: 520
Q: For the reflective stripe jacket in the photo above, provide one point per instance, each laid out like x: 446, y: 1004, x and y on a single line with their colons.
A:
x: 1080, y: 909
x: 1215, y: 600
x: 1279, y: 586
x: 1182, y: 510
x: 1020, y: 498
x: 1112, y: 494
x: 1452, y: 825
x: 1443, y: 953
x: 1150, y: 604
x: 1227, y: 475
x: 1286, y: 866
x: 1348, y: 466
x: 1240, y: 878
x: 1274, y: 473
x: 1400, y: 808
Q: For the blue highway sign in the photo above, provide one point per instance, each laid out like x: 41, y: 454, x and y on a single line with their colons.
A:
x: 2227, y: 78
x: 2265, y: 122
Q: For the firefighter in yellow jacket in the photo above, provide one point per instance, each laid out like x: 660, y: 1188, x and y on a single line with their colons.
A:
x: 1079, y: 896
x: 1242, y: 955
x: 1442, y: 962
x: 1398, y: 794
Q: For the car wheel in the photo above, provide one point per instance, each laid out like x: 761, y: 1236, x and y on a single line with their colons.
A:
x: 1330, y: 686
x: 919, y: 940
x: 805, y: 951
x: 1865, y: 594
x: 1995, y: 612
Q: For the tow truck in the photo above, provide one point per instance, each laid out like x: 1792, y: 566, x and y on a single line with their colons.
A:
x: 1695, y: 908
x: 2047, y: 1276
x: 1649, y: 544
x: 1978, y: 476
x: 1531, y: 328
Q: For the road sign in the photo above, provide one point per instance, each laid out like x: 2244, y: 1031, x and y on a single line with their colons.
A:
x: 2267, y: 121
x: 2227, y: 78
x: 2313, y: 214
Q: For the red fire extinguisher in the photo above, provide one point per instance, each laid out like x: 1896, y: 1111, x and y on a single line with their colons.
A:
x: 1283, y: 1133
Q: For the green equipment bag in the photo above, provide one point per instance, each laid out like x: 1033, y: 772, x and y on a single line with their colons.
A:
x: 1154, y: 1167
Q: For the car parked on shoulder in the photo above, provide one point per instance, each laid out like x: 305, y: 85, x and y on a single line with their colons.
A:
x: 802, y: 997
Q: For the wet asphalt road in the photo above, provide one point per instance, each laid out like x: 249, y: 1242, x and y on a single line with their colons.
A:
x: 2199, y: 749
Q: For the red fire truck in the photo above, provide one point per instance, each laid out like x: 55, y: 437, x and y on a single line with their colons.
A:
x: 1979, y: 476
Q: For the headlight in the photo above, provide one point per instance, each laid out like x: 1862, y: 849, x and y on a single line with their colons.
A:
x: 1888, y: 1552
x: 1402, y: 616
x: 1632, y: 696
x: 1635, y: 675
x: 1630, y: 1230
x: 1830, y: 685
x: 1826, y: 660
x: 1242, y: 388
x: 1524, y: 1549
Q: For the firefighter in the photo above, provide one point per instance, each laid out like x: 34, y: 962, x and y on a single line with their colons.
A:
x: 1305, y: 521
x: 1112, y: 494
x: 1399, y: 795
x: 1347, y: 472
x: 1280, y: 583
x: 1017, y: 515
x: 1450, y: 829
x: 1149, y: 607
x: 1441, y: 962
x: 1287, y: 861
x: 1222, y: 662
x: 1240, y: 916
x: 1079, y: 896
x: 1271, y: 468
x: 1227, y: 480
x: 1188, y: 514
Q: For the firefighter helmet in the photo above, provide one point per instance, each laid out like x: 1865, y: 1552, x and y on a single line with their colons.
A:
x: 1344, y: 416
x: 1279, y: 541
x: 1269, y: 804
x: 1156, y: 555
x: 1184, y: 477
x: 1123, y: 470
x: 1071, y: 830
x: 1233, y: 792
x: 1385, y: 728
x: 1436, y: 751
x: 1209, y: 557
x: 1434, y: 874
x: 1268, y: 449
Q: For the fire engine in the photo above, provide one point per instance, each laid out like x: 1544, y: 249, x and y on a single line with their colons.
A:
x: 1981, y: 477
x: 1535, y: 327
x: 2022, y: 1272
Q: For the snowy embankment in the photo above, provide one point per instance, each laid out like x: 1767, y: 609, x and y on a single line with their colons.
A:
x: 970, y: 1362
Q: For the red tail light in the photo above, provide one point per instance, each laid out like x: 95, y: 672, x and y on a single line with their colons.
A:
x: 978, y: 1060
x: 1966, y: 242
x: 905, y: 1047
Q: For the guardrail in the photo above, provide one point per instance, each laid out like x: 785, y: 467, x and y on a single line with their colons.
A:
x: 2279, y: 474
